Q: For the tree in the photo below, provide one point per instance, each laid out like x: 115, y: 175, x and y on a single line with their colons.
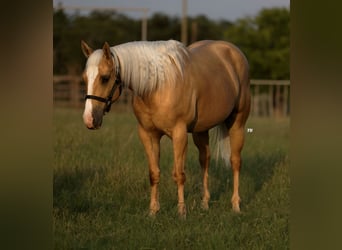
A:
x: 96, y: 28
x: 264, y: 38
x: 202, y: 28
x: 265, y: 41
x: 163, y: 27
x: 60, y: 26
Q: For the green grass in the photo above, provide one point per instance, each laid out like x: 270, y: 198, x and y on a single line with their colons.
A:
x: 101, y: 190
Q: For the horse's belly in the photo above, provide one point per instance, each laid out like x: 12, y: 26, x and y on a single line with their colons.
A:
x: 213, y: 112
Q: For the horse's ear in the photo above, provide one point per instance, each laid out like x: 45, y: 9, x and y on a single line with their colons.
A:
x: 86, y: 49
x: 106, y: 51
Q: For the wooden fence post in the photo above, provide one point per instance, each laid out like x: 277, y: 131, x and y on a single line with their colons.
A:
x: 285, y: 100
x: 256, y: 100
x: 278, y: 109
x: 270, y: 100
x: 74, y: 92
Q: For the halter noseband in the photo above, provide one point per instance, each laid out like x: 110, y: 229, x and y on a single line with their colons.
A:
x: 117, y: 83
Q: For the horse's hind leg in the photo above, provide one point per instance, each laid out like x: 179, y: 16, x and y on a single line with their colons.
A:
x: 201, y: 140
x: 151, y: 142
x: 236, y: 136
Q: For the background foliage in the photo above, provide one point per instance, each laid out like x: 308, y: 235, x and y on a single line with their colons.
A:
x: 264, y: 38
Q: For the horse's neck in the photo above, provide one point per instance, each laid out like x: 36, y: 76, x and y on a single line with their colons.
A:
x: 147, y: 67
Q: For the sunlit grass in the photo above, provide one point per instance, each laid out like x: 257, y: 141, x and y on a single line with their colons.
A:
x: 101, y: 190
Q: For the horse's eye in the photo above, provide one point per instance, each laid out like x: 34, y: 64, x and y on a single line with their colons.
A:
x: 105, y: 79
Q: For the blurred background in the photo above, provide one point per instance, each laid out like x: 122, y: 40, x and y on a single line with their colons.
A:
x: 261, y: 29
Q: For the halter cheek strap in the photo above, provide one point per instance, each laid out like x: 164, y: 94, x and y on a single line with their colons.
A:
x: 118, y: 83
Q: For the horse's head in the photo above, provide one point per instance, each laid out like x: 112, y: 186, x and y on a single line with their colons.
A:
x: 102, y: 78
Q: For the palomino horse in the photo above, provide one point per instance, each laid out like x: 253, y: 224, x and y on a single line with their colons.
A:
x: 176, y: 90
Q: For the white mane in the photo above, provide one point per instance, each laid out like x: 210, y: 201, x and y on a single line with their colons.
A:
x: 146, y: 66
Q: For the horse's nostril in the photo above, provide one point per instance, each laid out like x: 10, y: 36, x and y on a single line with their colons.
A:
x: 97, y: 119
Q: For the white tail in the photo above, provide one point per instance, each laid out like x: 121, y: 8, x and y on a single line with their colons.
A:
x: 221, y: 142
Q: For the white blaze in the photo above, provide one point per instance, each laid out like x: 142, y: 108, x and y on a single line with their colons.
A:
x: 92, y: 72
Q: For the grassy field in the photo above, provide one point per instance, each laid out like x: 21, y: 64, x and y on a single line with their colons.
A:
x: 101, y: 190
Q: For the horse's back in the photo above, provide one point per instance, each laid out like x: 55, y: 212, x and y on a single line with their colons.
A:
x: 224, y: 51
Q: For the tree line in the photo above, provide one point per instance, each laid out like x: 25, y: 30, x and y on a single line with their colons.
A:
x: 264, y: 38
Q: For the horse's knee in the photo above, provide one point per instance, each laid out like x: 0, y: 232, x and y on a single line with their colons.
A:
x: 154, y: 177
x: 179, y: 178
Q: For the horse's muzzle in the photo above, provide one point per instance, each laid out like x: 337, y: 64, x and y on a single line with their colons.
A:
x: 93, y: 120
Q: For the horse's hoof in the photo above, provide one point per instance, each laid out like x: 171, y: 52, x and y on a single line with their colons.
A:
x: 154, y: 208
x: 182, y: 216
x: 205, y: 205
x: 236, y: 203
x: 182, y: 211
x: 152, y: 214
x: 236, y: 208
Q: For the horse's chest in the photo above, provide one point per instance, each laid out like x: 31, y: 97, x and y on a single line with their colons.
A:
x: 149, y: 118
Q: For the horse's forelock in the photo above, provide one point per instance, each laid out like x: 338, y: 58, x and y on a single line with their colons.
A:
x: 95, y: 58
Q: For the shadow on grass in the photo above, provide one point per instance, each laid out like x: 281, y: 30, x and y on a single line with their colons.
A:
x: 71, y: 189
x: 256, y: 170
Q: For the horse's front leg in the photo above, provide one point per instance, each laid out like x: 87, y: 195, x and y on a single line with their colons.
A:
x: 151, y: 142
x: 180, y: 142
